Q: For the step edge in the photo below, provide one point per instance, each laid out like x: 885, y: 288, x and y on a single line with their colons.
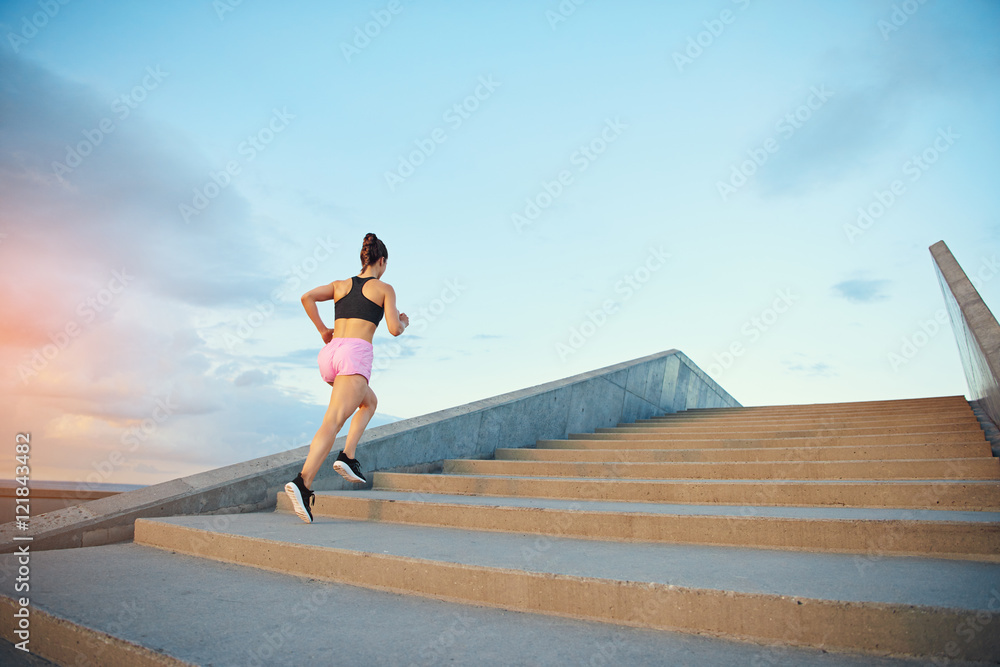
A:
x: 989, y: 553
x: 122, y: 651
x: 888, y: 612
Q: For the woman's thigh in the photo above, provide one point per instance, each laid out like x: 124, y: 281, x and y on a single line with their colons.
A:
x: 348, y: 393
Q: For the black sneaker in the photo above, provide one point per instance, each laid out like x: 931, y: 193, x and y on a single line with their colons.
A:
x: 301, y: 498
x: 349, y: 468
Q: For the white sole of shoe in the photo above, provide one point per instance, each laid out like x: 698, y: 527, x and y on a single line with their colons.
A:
x: 345, y: 471
x: 297, y: 503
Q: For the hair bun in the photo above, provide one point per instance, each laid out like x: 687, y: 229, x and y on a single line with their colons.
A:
x: 372, y: 250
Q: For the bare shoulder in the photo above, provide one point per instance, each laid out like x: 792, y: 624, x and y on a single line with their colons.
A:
x: 377, y: 291
x: 341, y: 288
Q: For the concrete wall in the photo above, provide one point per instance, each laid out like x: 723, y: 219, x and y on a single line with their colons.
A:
x: 976, y: 331
x: 48, y: 497
x: 660, y: 383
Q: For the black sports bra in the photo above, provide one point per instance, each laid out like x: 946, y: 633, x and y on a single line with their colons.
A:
x: 356, y: 304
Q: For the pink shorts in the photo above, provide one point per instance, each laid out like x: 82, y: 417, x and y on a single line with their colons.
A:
x: 346, y: 356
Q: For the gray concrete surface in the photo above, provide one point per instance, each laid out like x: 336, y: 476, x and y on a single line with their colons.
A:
x: 976, y: 330
x: 663, y: 440
x: 856, y: 453
x: 828, y: 513
x: 969, y: 495
x: 926, y: 403
x: 565, y: 586
x: 966, y: 468
x: 659, y: 383
x: 898, y: 580
x: 49, y: 496
x: 210, y: 613
x: 793, y: 432
x: 990, y: 429
x: 9, y: 655
x: 936, y: 534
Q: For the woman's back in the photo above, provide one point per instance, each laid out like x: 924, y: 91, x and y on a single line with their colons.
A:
x: 358, y: 304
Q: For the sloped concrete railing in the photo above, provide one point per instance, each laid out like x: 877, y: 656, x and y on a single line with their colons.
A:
x: 976, y: 331
x: 660, y: 383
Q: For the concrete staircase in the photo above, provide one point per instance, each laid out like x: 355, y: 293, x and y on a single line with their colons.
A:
x: 871, y: 530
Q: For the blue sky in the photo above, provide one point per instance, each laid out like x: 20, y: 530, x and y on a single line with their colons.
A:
x: 568, y: 194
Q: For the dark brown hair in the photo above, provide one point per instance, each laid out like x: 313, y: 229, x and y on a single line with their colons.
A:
x: 372, y: 250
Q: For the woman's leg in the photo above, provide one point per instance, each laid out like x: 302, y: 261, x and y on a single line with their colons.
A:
x: 360, y: 421
x: 348, y: 393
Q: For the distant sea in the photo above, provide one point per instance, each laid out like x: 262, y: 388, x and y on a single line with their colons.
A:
x: 41, y: 484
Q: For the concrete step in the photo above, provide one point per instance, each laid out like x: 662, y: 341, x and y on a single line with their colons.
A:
x: 11, y: 655
x: 195, y: 611
x: 954, y: 469
x: 667, y: 441
x: 868, y: 533
x: 677, y: 421
x: 957, y: 404
x: 818, y: 414
x: 874, y: 417
x: 825, y: 411
x: 910, y: 606
x: 838, y: 453
x: 930, y: 494
x: 770, y: 431
x: 897, y: 405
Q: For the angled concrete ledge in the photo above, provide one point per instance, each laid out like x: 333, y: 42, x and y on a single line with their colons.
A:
x: 660, y: 383
x: 976, y: 331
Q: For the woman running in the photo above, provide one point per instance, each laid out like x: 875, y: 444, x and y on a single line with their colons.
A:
x: 346, y: 365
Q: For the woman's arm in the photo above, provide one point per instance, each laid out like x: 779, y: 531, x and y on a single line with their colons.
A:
x: 309, y: 299
x: 395, y: 321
